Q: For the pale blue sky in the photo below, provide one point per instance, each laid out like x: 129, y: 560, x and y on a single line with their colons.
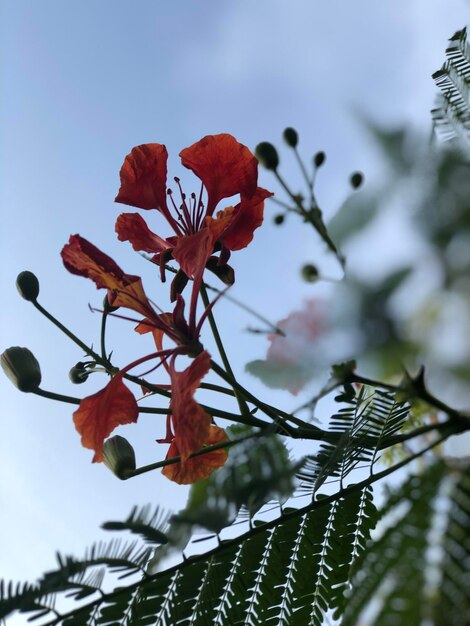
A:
x: 82, y: 83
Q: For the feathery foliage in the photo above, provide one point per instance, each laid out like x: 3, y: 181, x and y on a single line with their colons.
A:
x: 418, y: 570
x: 368, y: 418
x: 451, y: 116
x: 289, y: 568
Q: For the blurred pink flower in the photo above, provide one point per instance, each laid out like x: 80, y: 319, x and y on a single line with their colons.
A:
x: 292, y: 360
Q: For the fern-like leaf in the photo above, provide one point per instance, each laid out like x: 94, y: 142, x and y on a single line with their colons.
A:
x: 151, y: 527
x: 363, y: 425
x: 418, y: 569
x: 451, y: 116
x: 281, y: 571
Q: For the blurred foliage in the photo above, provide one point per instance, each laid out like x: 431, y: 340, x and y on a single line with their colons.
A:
x: 396, y: 314
x: 257, y: 471
x: 417, y: 572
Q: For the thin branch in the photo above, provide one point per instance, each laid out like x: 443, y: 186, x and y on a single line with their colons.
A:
x: 220, y: 346
x: 206, y: 450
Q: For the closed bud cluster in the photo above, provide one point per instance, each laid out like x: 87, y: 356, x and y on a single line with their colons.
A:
x: 22, y: 368
x: 291, y: 137
x: 119, y: 456
x: 78, y: 374
x: 28, y: 286
x: 267, y: 155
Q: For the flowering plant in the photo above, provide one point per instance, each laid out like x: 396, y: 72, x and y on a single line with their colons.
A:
x: 226, y: 168
x: 291, y: 563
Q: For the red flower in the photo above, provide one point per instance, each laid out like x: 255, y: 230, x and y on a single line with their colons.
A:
x: 225, y: 168
x: 124, y: 290
x: 192, y: 428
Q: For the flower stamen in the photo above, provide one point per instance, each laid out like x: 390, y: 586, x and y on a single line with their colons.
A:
x: 200, y: 208
x: 190, y: 226
x: 184, y: 225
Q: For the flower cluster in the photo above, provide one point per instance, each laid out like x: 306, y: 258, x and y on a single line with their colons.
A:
x: 203, y: 236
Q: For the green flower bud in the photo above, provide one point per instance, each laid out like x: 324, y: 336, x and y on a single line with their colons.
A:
x: 279, y: 219
x: 267, y: 155
x: 78, y: 374
x: 107, y: 308
x: 291, y: 137
x: 22, y: 368
x: 28, y: 286
x: 119, y: 456
x: 356, y: 180
x: 319, y: 159
x: 310, y: 273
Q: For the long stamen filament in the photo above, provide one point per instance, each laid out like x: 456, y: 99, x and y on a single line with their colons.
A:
x: 200, y: 209
x: 193, y: 210
x: 184, y: 207
x: 162, y: 361
x: 184, y: 225
x: 169, y: 217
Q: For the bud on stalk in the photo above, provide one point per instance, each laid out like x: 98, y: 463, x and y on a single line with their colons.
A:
x: 119, y: 456
x: 267, y: 155
x: 22, y: 368
x: 28, y: 286
x: 291, y: 137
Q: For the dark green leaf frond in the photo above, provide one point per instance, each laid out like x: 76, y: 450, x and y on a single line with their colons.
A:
x: 293, y: 566
x: 419, y: 567
x: 363, y: 425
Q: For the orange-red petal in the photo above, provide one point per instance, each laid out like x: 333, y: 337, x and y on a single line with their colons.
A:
x: 84, y: 259
x: 191, y: 470
x: 192, y: 252
x: 132, y: 227
x: 235, y: 226
x: 143, y: 177
x: 99, y: 414
x: 146, y: 326
x: 190, y: 421
x: 225, y: 167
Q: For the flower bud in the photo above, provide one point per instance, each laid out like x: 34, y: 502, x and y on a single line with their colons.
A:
x: 356, y: 180
x: 78, y: 374
x: 22, y: 368
x: 267, y: 155
x: 319, y: 159
x: 309, y: 273
x: 119, y: 456
x: 291, y: 137
x: 28, y: 286
x: 279, y: 219
x: 107, y: 308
